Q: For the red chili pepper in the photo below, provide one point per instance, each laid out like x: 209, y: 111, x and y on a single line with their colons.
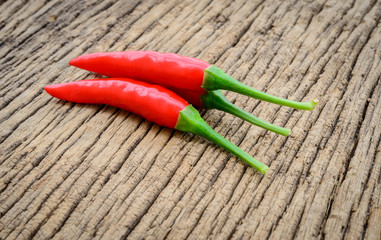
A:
x: 153, y: 102
x: 174, y: 72
x: 183, y: 75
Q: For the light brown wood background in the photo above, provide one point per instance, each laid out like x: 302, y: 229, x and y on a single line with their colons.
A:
x: 75, y: 171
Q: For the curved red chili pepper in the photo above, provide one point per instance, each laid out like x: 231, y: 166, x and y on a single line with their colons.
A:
x: 131, y: 95
x: 175, y: 72
x: 153, y: 102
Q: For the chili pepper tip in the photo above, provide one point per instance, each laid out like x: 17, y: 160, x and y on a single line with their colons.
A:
x: 50, y: 90
x: 74, y: 62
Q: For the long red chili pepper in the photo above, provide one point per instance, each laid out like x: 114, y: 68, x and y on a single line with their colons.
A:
x: 153, y: 102
x: 175, y: 72
x: 180, y: 74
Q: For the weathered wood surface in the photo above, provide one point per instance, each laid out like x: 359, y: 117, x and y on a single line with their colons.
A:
x: 71, y: 171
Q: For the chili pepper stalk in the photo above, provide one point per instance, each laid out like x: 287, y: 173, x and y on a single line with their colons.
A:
x: 217, y: 100
x: 215, y: 78
x: 191, y: 121
x: 152, y: 102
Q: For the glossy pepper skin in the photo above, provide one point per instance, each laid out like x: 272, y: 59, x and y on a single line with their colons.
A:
x: 169, y: 70
x: 152, y: 102
x: 175, y: 72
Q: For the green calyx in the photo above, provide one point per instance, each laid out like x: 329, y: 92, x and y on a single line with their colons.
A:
x: 215, y: 78
x: 190, y: 121
x: 217, y: 100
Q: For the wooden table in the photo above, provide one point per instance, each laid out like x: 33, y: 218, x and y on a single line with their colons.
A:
x: 77, y: 171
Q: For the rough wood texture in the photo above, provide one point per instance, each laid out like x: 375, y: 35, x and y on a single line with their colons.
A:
x: 74, y: 171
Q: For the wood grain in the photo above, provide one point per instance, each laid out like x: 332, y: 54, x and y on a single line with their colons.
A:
x: 76, y: 171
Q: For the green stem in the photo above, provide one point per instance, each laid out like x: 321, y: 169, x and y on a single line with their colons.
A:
x: 215, y: 78
x: 191, y: 121
x: 217, y: 100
